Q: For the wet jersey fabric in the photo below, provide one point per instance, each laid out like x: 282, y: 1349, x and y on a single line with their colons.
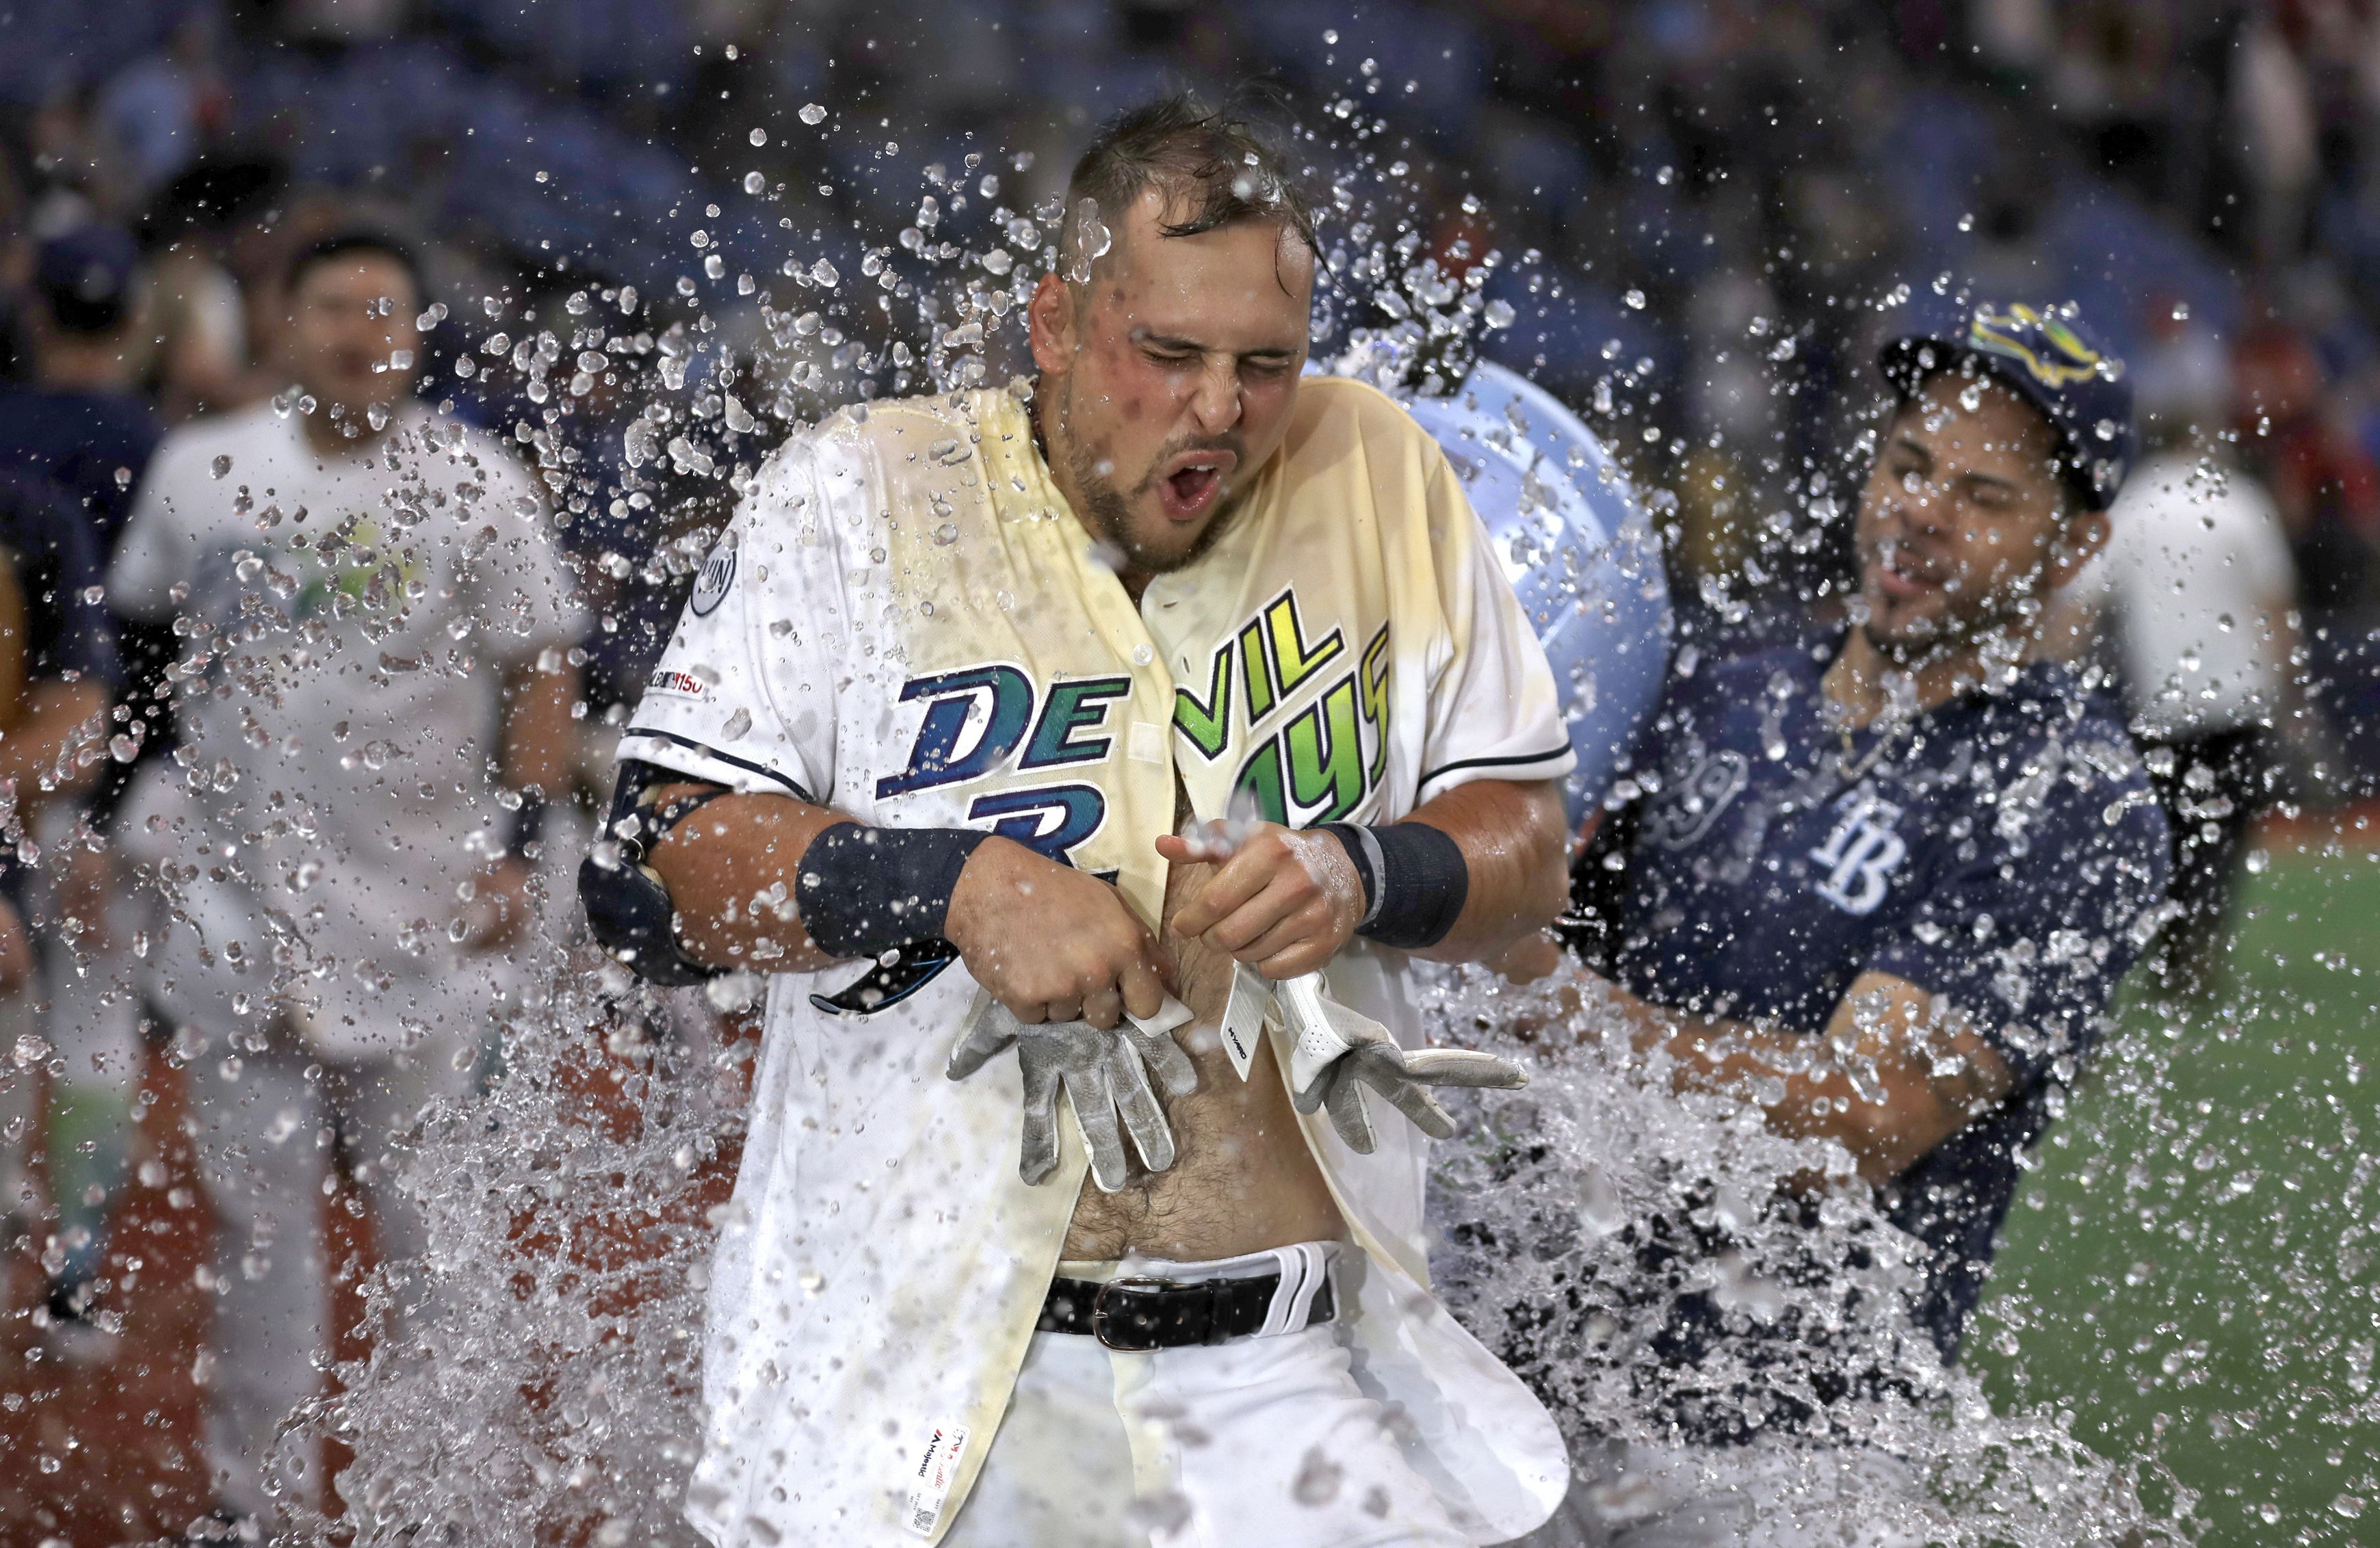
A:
x: 2003, y: 851
x: 907, y: 622
x: 350, y: 619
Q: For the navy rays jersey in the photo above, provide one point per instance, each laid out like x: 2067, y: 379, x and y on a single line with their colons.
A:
x: 2002, y: 851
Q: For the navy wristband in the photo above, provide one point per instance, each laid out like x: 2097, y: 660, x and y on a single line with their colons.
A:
x: 1414, y: 881
x: 864, y: 891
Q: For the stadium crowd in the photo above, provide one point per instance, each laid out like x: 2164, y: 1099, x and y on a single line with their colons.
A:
x: 1703, y: 207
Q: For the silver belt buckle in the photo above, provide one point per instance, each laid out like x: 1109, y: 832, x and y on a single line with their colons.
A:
x: 1099, y: 1312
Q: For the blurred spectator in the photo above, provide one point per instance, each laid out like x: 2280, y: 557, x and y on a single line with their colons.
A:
x: 81, y: 422
x: 2325, y: 486
x: 2275, y: 119
x: 329, y: 977
x: 2195, y: 597
x: 197, y: 308
x: 163, y: 110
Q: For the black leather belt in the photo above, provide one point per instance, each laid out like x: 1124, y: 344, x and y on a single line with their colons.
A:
x: 1143, y: 1314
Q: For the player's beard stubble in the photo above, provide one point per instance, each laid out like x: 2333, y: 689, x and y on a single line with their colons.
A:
x: 1107, y: 509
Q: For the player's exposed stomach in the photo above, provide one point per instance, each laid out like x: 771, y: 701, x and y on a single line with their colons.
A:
x: 1242, y: 1179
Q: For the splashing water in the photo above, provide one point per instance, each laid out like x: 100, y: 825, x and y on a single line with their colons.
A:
x: 1581, y: 1216
x: 534, y: 1378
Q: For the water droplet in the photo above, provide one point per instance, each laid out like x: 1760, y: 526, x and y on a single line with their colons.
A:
x: 812, y: 114
x: 754, y: 181
x: 761, y: 137
x: 222, y: 463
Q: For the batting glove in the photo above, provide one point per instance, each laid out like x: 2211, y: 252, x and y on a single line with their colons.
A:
x: 1106, y: 1076
x: 1335, y: 1053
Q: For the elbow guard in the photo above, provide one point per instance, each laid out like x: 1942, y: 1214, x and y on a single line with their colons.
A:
x: 628, y: 908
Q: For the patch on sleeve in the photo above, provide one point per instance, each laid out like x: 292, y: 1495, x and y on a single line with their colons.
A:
x: 718, y: 575
x: 681, y: 683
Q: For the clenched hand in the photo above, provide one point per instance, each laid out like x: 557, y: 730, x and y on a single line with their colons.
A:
x: 1052, y: 943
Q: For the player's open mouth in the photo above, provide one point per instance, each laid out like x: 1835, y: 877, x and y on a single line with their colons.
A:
x: 1900, y: 575
x: 1193, y: 483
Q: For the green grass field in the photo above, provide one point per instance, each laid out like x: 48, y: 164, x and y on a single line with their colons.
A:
x: 2191, y: 1270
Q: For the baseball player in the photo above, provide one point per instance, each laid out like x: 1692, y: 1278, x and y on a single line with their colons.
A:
x: 1882, y: 887
x: 1138, y: 726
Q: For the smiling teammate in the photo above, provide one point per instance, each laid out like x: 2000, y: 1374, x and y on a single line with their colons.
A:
x: 957, y: 674
x: 1884, y: 886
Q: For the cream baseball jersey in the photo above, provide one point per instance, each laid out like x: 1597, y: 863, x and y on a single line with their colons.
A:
x: 907, y: 622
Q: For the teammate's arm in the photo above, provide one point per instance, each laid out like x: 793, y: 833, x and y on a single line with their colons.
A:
x: 1898, y: 1071
x: 538, y: 729
x: 1049, y: 942
x: 1287, y: 901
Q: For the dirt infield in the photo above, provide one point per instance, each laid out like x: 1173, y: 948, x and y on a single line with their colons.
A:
x: 100, y: 1422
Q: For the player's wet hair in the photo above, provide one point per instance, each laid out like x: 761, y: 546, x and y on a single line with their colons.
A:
x: 1215, y: 166
x: 350, y: 241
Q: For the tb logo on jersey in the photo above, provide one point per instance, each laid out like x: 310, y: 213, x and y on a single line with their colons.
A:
x: 1860, y: 853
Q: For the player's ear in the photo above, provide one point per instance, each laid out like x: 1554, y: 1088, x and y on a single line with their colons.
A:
x: 1050, y: 323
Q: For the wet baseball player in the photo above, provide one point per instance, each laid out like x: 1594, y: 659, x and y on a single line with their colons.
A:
x: 1102, y: 748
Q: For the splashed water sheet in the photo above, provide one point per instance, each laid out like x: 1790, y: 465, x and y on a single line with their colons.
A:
x: 1638, y: 1256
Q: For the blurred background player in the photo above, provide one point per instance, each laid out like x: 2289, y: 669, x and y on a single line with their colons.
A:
x: 57, y: 666
x: 375, y: 792
x: 2193, y: 605
x: 80, y: 430
x: 82, y: 418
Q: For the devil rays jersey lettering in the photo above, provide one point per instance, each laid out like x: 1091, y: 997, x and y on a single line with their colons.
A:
x: 917, y: 631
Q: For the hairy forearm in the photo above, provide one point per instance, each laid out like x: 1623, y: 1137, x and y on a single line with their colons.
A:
x: 729, y: 869
x: 1888, y: 1079
x: 1515, y: 846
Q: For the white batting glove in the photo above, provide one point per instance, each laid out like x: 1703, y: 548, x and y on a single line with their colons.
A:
x: 1335, y: 1052
x: 1106, y: 1076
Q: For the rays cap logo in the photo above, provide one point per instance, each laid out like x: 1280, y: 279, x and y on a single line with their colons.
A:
x: 2049, y: 356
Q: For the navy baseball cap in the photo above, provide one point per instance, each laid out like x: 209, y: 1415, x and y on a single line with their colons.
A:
x: 86, y: 276
x: 2050, y: 357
